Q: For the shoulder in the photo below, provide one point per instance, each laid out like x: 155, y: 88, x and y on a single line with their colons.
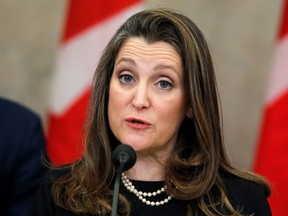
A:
x: 49, y: 180
x: 13, y: 107
x: 56, y: 173
x: 13, y: 113
x: 246, y: 195
x: 22, y: 138
x: 240, y: 186
x: 43, y: 203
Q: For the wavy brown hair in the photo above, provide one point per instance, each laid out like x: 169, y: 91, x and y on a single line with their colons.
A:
x: 194, y: 172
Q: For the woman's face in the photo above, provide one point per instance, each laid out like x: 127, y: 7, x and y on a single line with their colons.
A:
x: 147, y: 102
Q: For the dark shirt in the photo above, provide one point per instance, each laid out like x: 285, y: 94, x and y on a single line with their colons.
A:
x: 243, y: 194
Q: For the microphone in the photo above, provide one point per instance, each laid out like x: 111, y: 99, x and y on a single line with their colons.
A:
x: 123, y: 155
x: 123, y: 158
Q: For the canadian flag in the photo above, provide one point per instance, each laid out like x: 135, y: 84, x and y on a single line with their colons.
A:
x: 272, y: 153
x: 89, y: 26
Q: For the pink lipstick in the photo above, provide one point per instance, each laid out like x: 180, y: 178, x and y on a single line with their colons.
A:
x: 137, y: 123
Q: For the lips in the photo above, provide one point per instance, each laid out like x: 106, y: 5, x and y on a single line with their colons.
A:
x: 137, y: 123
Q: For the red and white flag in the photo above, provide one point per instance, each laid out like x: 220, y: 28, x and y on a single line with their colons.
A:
x: 272, y: 153
x: 89, y: 26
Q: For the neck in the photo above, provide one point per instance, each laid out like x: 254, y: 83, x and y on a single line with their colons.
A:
x: 147, y: 170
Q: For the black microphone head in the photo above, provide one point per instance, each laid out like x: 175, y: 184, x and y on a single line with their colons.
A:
x: 125, y: 155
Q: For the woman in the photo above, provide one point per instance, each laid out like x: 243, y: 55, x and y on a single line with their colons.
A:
x: 155, y: 90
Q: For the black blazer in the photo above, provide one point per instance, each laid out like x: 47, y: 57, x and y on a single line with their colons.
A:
x: 243, y: 194
x: 21, y: 145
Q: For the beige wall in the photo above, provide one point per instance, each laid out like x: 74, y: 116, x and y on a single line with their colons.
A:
x: 241, y: 35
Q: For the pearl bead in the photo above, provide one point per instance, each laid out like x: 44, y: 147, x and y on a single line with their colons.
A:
x: 130, y: 187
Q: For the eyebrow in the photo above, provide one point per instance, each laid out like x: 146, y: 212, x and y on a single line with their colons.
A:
x: 158, y: 67
x: 163, y: 66
x: 131, y: 61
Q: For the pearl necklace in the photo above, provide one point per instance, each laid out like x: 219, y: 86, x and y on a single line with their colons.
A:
x: 141, y: 195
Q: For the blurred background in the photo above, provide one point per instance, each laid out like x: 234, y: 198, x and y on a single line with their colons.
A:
x: 241, y: 36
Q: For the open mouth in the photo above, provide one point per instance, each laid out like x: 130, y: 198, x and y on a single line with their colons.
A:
x: 137, y: 123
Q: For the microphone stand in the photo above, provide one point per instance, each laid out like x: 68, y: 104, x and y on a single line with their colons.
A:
x: 123, y: 157
x: 116, y: 187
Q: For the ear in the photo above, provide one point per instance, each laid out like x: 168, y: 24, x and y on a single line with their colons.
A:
x: 189, y: 112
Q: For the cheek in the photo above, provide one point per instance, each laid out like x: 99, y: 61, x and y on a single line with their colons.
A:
x: 171, y: 113
x: 116, y: 104
x: 112, y: 103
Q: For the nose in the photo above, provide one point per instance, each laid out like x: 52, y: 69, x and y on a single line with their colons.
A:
x: 141, y: 99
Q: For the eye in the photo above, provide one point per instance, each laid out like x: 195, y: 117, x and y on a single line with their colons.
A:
x: 126, y: 78
x: 163, y: 84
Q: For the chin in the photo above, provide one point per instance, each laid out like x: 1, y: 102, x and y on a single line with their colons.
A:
x: 136, y: 145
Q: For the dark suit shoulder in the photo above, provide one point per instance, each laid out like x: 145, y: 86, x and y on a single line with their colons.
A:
x: 43, y: 203
x: 55, y: 173
x: 16, y: 112
x: 246, y: 195
x: 22, y: 145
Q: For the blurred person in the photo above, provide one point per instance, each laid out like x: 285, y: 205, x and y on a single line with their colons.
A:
x: 21, y: 147
x: 155, y: 90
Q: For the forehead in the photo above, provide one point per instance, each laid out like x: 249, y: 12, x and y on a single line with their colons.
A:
x: 140, y: 48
